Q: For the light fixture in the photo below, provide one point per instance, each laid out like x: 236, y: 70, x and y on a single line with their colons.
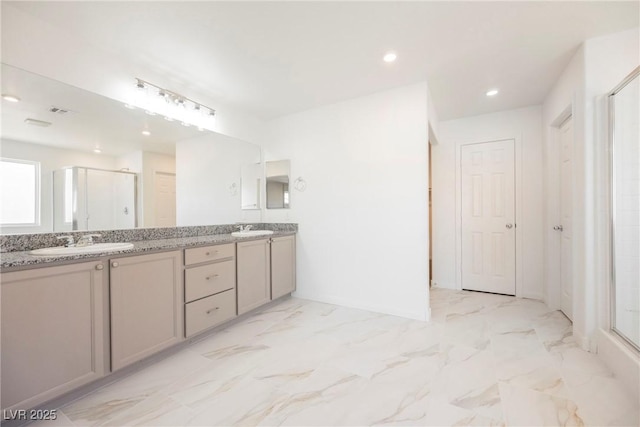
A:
x: 97, y: 150
x: 146, y: 132
x: 35, y: 122
x: 492, y: 92
x: 172, y: 106
x: 389, y: 57
x: 10, y: 98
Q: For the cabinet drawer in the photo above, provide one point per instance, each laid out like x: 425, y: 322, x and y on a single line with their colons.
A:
x: 209, y: 279
x: 209, y: 253
x: 210, y: 311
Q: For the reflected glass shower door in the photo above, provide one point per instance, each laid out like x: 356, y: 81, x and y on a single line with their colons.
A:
x: 94, y: 199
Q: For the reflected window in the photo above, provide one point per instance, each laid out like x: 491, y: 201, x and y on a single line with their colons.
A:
x: 19, y: 192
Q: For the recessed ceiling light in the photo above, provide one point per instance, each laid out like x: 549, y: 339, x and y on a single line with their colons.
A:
x: 389, y: 57
x: 97, y: 150
x: 10, y: 98
x: 492, y: 92
x: 146, y: 133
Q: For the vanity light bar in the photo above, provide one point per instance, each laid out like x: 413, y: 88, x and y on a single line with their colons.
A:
x: 174, y: 97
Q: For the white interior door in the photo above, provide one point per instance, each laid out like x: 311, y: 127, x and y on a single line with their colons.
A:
x: 488, y: 217
x: 165, y: 195
x: 565, y: 227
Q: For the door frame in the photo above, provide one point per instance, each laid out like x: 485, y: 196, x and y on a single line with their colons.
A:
x: 517, y: 146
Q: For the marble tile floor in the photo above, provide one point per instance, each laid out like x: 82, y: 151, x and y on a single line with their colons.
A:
x: 483, y: 360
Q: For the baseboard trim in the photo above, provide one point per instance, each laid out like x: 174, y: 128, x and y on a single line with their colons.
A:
x: 329, y: 299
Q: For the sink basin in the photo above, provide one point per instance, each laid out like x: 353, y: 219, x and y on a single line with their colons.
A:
x: 251, y: 233
x: 80, y: 250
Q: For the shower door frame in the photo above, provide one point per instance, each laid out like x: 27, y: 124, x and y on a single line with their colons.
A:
x: 612, y: 208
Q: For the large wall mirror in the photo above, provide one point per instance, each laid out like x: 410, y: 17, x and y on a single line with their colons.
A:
x: 624, y: 109
x: 75, y: 160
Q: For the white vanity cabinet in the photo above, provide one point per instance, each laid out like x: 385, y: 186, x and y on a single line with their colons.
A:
x: 266, y: 271
x: 254, y: 274
x: 53, y: 338
x: 283, y: 266
x: 209, y: 287
x: 146, y: 305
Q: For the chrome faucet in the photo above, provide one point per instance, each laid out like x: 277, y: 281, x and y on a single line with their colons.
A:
x: 244, y: 227
x: 69, y: 240
x: 87, y: 240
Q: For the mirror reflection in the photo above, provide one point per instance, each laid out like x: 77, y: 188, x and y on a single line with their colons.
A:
x: 251, y: 182
x: 277, y: 177
x: 72, y: 159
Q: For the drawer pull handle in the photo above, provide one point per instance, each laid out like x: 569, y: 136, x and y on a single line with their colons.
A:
x: 212, y: 277
x: 210, y: 253
x: 211, y: 310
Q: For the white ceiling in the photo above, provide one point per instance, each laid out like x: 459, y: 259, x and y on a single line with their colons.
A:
x: 275, y: 58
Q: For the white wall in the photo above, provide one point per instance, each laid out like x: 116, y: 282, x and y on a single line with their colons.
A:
x: 50, y: 159
x: 363, y: 218
x: 523, y: 125
x: 206, y: 168
x: 33, y: 44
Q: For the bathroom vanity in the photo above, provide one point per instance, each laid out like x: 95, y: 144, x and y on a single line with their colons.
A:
x: 69, y: 322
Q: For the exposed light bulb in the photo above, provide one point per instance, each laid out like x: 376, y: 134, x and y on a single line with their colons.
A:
x: 389, y: 57
x: 492, y: 92
x: 10, y: 98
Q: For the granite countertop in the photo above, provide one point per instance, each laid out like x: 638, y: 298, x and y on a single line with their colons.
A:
x: 24, y: 258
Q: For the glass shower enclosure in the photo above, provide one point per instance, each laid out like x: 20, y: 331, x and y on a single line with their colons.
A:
x: 624, y: 114
x: 93, y: 199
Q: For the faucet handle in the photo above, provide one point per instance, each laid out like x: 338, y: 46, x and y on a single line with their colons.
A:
x: 248, y: 227
x: 69, y: 240
x: 240, y: 227
x: 87, y: 239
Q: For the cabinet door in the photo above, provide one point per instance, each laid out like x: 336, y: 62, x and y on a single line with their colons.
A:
x: 52, y: 332
x: 253, y: 275
x: 146, y: 306
x: 283, y: 266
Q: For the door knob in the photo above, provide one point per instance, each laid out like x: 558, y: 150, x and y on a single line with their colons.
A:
x: 509, y: 226
x: 558, y: 228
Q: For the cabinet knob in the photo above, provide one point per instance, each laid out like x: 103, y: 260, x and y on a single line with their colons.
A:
x: 115, y: 264
x: 99, y: 267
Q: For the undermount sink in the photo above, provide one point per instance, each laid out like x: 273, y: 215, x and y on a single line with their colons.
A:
x: 80, y: 250
x: 251, y: 233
